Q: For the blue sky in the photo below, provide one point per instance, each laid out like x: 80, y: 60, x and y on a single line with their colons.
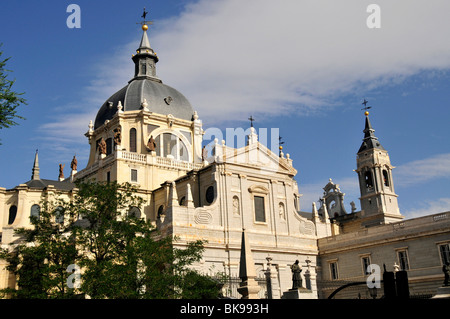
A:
x: 301, y: 66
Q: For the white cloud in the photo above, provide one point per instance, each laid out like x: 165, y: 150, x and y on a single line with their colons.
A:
x: 241, y: 57
x: 234, y: 58
x: 429, y: 207
x: 423, y: 170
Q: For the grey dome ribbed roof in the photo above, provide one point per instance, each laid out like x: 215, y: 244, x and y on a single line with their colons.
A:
x: 161, y: 99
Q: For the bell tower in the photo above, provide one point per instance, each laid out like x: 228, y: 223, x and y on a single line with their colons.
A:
x: 378, y: 199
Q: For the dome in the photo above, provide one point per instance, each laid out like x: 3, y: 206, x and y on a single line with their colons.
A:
x: 161, y: 99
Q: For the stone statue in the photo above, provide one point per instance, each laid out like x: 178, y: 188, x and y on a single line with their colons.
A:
x: 204, y: 153
x: 102, y: 146
x: 296, y: 277
x: 61, y: 171
x: 74, y: 164
x: 446, y: 270
x: 353, y: 205
x: 151, y: 145
x: 117, y: 136
x: 235, y: 205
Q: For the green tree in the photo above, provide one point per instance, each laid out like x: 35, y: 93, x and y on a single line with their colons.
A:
x: 121, y: 255
x: 9, y: 100
x: 39, y: 261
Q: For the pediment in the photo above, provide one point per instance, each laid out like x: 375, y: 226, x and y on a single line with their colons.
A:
x: 255, y: 155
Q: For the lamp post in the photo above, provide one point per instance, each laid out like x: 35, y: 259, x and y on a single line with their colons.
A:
x: 373, y: 292
x: 268, y: 278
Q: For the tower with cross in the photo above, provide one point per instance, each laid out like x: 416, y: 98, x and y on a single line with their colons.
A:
x: 378, y: 199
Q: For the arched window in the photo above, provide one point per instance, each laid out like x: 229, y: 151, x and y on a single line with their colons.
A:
x: 209, y: 195
x: 133, y: 143
x: 134, y: 212
x: 368, y: 179
x: 35, y: 211
x: 160, y: 211
x: 386, y: 178
x: 12, y: 214
x: 168, y: 144
x: 59, y: 215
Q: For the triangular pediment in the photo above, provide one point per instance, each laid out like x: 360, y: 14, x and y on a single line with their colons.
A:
x: 255, y: 155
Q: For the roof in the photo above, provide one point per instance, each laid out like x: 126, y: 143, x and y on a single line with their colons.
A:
x: 145, y: 86
x: 370, y: 141
x: 161, y: 99
x: 65, y: 185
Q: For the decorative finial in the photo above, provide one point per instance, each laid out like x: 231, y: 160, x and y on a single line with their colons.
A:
x: 251, y: 119
x: 144, y: 105
x: 280, y: 147
x: 366, y: 107
x: 144, y: 22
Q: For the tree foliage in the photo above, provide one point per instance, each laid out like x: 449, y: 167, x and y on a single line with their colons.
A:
x: 121, y: 255
x: 9, y: 100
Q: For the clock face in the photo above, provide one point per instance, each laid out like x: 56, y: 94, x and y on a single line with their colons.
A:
x: 210, y: 194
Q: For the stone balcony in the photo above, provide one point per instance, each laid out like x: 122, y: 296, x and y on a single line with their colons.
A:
x: 143, y: 159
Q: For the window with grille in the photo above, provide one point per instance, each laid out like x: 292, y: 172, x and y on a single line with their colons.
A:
x: 365, y: 264
x: 260, y: 214
x: 334, y: 271
x: 444, y: 251
x: 59, y: 215
x: 403, y: 259
x: 134, y: 177
x: 35, y: 211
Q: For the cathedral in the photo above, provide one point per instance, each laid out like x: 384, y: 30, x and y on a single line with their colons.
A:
x: 149, y: 135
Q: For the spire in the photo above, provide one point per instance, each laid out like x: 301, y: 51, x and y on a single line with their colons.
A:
x: 145, y: 58
x: 35, y: 170
x: 248, y: 288
x: 370, y: 141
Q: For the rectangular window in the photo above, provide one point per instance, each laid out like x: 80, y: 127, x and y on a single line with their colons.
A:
x: 158, y: 145
x: 334, y: 271
x: 260, y: 214
x: 444, y: 251
x: 403, y: 259
x: 134, y: 177
x: 108, y: 176
x: 109, y: 146
x: 133, y: 143
x: 365, y: 263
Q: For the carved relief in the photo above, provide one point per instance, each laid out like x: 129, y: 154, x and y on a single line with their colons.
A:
x: 202, y: 217
x: 236, y: 209
x: 282, y: 211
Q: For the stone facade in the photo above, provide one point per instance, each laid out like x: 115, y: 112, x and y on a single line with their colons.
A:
x: 193, y: 194
x: 417, y: 245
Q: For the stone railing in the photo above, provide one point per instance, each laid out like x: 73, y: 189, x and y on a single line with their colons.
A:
x: 134, y: 157
x: 149, y: 159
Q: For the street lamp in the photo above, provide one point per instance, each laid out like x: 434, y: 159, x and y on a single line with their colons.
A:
x: 268, y: 278
x: 373, y: 292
